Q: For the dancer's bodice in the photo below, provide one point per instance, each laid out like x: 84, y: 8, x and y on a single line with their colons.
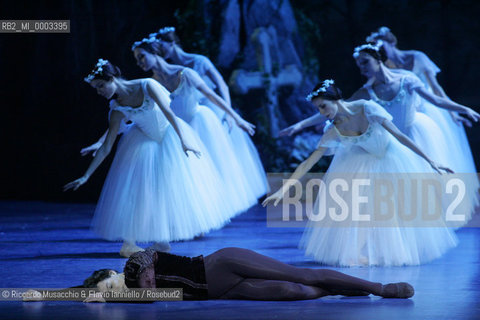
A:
x: 148, y: 117
x: 421, y: 65
x: 402, y: 106
x: 201, y: 65
x: 185, y: 98
x: 375, y: 139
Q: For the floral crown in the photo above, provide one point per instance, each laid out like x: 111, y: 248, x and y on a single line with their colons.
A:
x: 374, y: 35
x: 148, y: 40
x: 325, y: 84
x: 163, y: 30
x: 376, y: 47
x: 166, y: 30
x: 98, y: 70
x: 152, y: 37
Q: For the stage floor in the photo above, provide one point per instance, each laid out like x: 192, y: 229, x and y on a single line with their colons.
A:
x: 49, y: 245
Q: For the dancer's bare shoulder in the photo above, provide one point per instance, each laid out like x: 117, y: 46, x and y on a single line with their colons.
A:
x: 358, y: 105
x: 361, y: 93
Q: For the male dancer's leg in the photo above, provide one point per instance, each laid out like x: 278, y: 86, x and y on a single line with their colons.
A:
x: 227, y: 267
x: 259, y: 289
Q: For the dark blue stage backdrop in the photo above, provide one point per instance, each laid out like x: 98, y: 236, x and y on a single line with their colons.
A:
x: 49, y: 113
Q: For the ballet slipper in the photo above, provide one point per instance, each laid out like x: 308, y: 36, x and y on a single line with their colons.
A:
x: 401, y: 290
x: 161, y: 246
x: 129, y: 248
x: 363, y: 260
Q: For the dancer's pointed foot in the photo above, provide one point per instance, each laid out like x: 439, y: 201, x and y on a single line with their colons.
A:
x: 401, y: 290
x: 129, y: 248
x: 161, y: 246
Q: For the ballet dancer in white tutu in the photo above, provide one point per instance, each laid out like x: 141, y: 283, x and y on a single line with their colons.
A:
x: 400, y: 93
x: 244, y: 148
x: 186, y: 87
x: 366, y: 141
x: 456, y: 141
x: 155, y: 191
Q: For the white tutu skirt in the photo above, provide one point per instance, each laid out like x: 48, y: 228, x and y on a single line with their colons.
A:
x: 220, y: 149
x: 247, y: 155
x: 428, y: 136
x: 154, y: 192
x: 354, y: 243
x: 441, y: 146
x: 460, y: 156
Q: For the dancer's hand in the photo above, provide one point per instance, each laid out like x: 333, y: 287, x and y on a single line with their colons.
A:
x: 97, y: 297
x: 246, y: 126
x: 229, y: 121
x: 75, y: 184
x: 459, y: 119
x: 294, y: 128
x: 472, y: 114
x: 276, y: 197
x: 32, y: 295
x: 186, y: 148
x: 438, y: 168
x: 92, y: 148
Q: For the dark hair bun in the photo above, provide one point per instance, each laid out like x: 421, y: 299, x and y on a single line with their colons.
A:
x: 109, y: 71
x: 378, y: 54
x: 332, y: 92
x: 383, y: 33
x: 151, y: 47
x: 170, y: 36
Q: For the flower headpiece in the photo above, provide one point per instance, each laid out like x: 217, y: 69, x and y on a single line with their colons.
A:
x: 374, y: 35
x: 376, y: 47
x: 327, y: 83
x: 154, y: 35
x: 98, y: 70
x: 150, y: 39
x: 166, y: 30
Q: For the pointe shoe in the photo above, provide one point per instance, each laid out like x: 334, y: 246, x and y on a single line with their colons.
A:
x: 400, y: 290
x: 129, y: 248
x: 161, y: 246
x: 363, y: 261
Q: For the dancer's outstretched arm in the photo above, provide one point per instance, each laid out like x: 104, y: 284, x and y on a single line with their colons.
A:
x: 299, y: 172
x: 95, y: 146
x: 198, y: 82
x: 318, y: 117
x: 154, y: 90
x: 437, y: 89
x: 433, y: 83
x: 102, y: 153
x: 400, y: 136
x: 217, y: 79
x: 214, y: 75
x: 305, y: 123
x: 448, y: 104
